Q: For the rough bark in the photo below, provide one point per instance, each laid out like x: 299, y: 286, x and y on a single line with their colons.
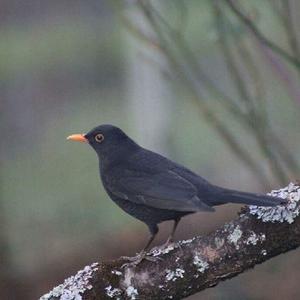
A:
x: 188, y: 267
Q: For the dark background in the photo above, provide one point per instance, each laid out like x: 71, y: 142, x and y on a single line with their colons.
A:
x: 67, y: 66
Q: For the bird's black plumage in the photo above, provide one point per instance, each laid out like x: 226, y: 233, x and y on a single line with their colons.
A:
x: 153, y: 188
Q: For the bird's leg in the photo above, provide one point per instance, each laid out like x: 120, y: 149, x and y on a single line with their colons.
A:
x: 150, y: 241
x: 170, y: 239
x: 135, y: 260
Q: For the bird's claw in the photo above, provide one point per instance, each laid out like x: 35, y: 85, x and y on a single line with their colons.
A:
x: 153, y: 258
x: 168, y: 243
x: 127, y: 257
x: 133, y: 261
x: 136, y: 260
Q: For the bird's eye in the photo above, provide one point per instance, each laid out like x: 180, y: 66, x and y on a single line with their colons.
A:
x: 99, y: 137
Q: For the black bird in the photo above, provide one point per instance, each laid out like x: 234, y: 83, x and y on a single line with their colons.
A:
x: 151, y: 187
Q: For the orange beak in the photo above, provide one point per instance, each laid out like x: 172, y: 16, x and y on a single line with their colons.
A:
x: 77, y: 138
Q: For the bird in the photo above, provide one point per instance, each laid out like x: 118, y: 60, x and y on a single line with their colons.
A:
x: 153, y: 188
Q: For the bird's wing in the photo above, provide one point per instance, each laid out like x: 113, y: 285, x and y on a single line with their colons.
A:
x: 164, y: 190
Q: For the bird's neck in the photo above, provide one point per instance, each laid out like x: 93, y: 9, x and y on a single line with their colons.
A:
x: 117, y: 153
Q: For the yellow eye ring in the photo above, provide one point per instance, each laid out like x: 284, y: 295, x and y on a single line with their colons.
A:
x: 99, y: 137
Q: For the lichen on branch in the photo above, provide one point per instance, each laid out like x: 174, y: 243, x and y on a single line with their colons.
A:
x: 190, y: 266
x: 286, y: 213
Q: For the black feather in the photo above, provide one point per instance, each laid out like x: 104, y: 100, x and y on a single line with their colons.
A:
x: 232, y: 196
x: 153, y: 188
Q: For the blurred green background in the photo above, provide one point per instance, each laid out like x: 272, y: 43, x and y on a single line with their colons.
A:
x: 67, y: 66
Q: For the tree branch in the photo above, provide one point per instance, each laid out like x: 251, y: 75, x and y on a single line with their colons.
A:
x: 263, y: 39
x: 258, y: 234
x: 188, y: 71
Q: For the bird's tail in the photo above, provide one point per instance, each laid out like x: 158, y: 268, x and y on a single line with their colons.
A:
x: 231, y: 196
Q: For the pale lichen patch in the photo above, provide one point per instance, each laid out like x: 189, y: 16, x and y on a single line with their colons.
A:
x: 116, y: 272
x: 184, y: 242
x: 219, y: 242
x: 132, y: 292
x: 112, y: 292
x: 264, y: 252
x: 280, y: 213
x: 254, y: 238
x: 200, y: 263
x: 129, y: 274
x: 127, y: 283
x: 235, y: 236
x: 157, y: 251
x: 74, y: 286
x: 174, y: 275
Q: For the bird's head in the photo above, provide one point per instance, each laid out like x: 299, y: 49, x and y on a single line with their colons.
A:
x: 107, y: 140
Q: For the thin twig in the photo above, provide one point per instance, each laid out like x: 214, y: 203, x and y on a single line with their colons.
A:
x: 203, y: 106
x: 254, y: 118
x: 288, y: 22
x: 258, y: 34
x: 173, y: 46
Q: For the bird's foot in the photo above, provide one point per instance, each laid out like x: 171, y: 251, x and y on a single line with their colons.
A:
x: 168, y: 243
x: 136, y: 260
x: 166, y: 247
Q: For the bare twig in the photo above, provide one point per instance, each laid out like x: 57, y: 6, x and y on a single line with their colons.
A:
x: 254, y: 118
x: 259, y: 35
x: 288, y: 22
x: 185, y: 67
x: 191, y: 73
